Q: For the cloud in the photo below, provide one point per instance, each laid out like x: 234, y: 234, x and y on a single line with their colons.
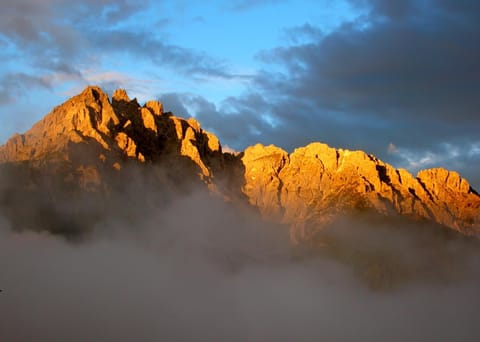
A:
x: 112, y: 80
x: 238, y: 121
x: 46, y: 38
x: 35, y: 30
x: 464, y: 158
x: 144, y: 45
x: 172, y: 102
x: 51, y: 49
x: 372, y: 78
x: 14, y: 85
x: 406, y: 71
x: 402, y: 71
x: 215, y: 274
x: 395, y: 9
x: 58, y: 36
x: 391, y: 148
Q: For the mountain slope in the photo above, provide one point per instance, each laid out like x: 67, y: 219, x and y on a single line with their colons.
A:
x: 313, y: 185
x: 90, y: 144
x: 93, y: 135
x: 93, y: 157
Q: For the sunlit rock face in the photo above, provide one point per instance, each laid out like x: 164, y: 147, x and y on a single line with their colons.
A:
x: 90, y: 132
x: 315, y: 184
x: 87, y: 116
x: 88, y: 144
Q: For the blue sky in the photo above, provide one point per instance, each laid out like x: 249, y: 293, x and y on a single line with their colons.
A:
x: 399, y: 78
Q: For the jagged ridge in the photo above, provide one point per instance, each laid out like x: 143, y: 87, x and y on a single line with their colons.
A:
x: 92, y: 137
x: 88, y: 131
x: 314, y: 184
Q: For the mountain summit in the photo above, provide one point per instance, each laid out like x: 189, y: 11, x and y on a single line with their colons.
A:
x: 89, y: 145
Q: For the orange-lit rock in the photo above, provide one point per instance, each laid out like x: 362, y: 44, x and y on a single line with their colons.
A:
x: 262, y: 183
x: 126, y: 144
x: 155, y: 107
x: 86, y: 138
x: 116, y: 129
x: 316, y: 183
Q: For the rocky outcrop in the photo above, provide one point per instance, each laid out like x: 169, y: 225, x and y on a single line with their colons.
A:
x: 315, y: 184
x: 83, y: 117
x: 91, y: 132
x: 87, y: 143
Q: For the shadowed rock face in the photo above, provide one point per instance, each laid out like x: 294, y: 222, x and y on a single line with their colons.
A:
x: 86, y: 145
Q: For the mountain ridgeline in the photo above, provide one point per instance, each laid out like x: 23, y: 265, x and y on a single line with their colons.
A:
x: 92, y: 149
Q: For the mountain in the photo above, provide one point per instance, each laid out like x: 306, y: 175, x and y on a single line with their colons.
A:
x: 94, y: 147
x: 93, y: 135
x: 316, y: 183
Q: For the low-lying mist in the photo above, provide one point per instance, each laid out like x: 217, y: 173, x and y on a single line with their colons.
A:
x: 195, y: 268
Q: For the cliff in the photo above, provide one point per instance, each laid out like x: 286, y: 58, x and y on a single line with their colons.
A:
x: 88, y: 144
x: 315, y: 184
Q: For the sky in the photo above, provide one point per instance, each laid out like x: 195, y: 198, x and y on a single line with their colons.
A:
x: 399, y: 79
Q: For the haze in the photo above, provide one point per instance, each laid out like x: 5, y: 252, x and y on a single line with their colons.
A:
x: 192, y: 267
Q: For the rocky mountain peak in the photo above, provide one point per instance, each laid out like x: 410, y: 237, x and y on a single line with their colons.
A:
x: 441, y: 181
x: 120, y: 95
x: 90, y: 139
x: 155, y: 107
x: 116, y: 131
x: 313, y: 185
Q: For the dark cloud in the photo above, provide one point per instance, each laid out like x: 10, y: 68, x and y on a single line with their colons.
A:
x: 238, y: 122
x: 143, y: 45
x: 395, y: 9
x: 36, y: 30
x: 46, y: 37
x: 14, y: 85
x: 172, y: 102
x: 394, y: 75
x: 406, y: 73
x: 59, y: 36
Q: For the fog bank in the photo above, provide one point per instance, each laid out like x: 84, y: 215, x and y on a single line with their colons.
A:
x: 196, y: 270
